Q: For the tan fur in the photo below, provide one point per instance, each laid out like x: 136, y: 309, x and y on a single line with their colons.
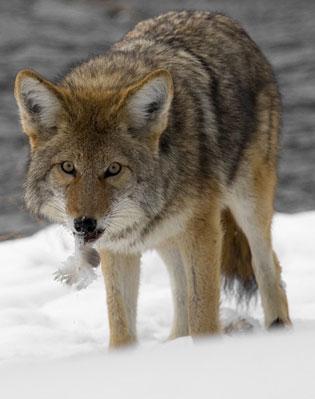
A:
x: 189, y: 108
x: 200, y: 246
x: 262, y: 180
x: 121, y: 274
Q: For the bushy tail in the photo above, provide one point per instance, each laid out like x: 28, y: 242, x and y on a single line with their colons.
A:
x: 237, y: 270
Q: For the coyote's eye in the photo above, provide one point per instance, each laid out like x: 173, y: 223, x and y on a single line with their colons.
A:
x: 113, y: 169
x: 68, y: 167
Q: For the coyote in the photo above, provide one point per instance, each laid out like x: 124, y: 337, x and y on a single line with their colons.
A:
x: 168, y: 141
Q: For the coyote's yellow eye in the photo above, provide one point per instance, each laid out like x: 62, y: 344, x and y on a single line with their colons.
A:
x: 68, y: 167
x: 113, y: 169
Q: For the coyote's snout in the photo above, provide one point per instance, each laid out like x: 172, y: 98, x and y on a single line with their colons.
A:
x: 87, y: 227
x: 167, y: 141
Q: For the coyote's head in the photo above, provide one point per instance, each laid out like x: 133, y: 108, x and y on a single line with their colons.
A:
x: 95, y: 152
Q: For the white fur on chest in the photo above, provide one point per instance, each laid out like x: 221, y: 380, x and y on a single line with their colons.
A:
x: 133, y: 243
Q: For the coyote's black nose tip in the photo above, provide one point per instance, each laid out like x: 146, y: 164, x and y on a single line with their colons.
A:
x: 85, y: 225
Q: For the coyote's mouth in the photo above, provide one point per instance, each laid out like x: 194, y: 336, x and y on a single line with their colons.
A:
x: 91, y: 237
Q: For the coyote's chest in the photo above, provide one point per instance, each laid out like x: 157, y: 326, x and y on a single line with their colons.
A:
x: 145, y: 235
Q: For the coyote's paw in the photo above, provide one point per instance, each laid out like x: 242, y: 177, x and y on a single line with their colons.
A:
x: 240, y: 325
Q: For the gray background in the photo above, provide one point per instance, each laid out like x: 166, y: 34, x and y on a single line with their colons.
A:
x: 49, y: 36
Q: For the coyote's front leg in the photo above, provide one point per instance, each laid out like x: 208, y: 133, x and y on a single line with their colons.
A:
x: 201, y: 252
x: 121, y: 274
x: 172, y: 258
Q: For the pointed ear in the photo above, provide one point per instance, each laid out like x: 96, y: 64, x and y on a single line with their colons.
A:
x: 148, y: 101
x: 38, y: 101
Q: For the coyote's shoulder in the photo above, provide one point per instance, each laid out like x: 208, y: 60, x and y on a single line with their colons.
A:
x: 167, y: 141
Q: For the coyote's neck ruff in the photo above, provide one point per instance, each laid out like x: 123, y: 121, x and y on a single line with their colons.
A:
x: 167, y: 141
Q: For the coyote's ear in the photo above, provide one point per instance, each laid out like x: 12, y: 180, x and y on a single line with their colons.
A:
x: 38, y: 101
x: 148, y: 101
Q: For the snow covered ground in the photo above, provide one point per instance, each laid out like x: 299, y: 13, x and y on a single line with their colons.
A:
x: 53, y: 339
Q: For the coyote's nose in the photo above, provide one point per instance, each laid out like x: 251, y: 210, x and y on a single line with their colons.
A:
x: 85, y: 225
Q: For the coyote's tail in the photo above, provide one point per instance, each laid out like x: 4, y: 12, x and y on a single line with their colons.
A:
x: 237, y: 270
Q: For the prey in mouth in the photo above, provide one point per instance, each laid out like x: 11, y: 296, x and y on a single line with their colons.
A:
x: 86, y: 229
x: 78, y: 269
x: 90, y: 238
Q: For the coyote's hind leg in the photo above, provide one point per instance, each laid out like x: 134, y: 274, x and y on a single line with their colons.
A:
x: 253, y: 213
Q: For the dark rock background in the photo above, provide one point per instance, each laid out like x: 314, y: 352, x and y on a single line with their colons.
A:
x: 51, y: 35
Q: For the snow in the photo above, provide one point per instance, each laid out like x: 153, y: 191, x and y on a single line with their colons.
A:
x: 53, y: 338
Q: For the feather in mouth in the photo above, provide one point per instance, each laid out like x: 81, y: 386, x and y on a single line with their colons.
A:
x: 90, y: 237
